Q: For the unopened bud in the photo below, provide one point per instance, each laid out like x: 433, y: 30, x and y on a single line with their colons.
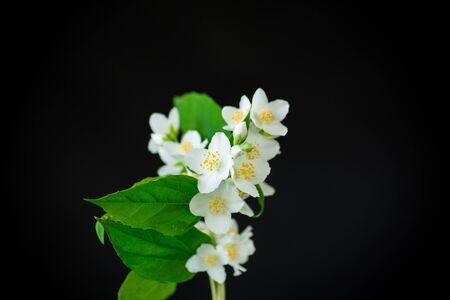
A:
x: 246, y: 147
x: 239, y: 133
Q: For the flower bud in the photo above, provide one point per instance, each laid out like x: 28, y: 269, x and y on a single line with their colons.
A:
x: 239, y: 133
x: 236, y: 151
x: 246, y: 147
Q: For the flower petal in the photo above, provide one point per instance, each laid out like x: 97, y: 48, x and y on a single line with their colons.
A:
x: 166, y: 157
x: 246, y: 187
x: 169, y: 170
x: 205, y: 249
x: 194, y: 264
x: 199, y: 205
x: 267, y: 189
x: 158, y: 138
x: 152, y: 146
x: 174, y: 118
x: 208, y: 182
x: 262, y: 169
x: 220, y: 143
x: 194, y: 158
x: 227, y: 114
x: 259, y: 100
x: 275, y: 128
x: 217, y: 273
x: 244, y: 105
x: 246, y: 210
x: 226, y: 164
x: 172, y: 148
x: 268, y: 148
x: 194, y: 137
x: 218, y: 223
x: 234, y: 203
x: 238, y: 269
x: 279, y: 108
x: 159, y: 123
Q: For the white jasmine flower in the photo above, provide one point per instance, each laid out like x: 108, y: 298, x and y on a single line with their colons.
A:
x: 262, y: 147
x: 213, y: 164
x: 217, y: 207
x: 239, y: 133
x: 268, y: 115
x: 211, y: 260
x: 163, y: 129
x: 238, y: 248
x: 233, y: 116
x: 190, y: 140
x: 246, y: 173
x: 172, y: 166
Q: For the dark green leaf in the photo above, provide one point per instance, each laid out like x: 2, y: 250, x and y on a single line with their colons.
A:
x: 199, y: 112
x: 137, y: 288
x: 154, y: 203
x: 152, y: 255
x: 100, y: 232
x: 260, y: 201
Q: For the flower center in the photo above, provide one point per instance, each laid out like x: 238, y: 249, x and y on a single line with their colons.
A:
x: 231, y: 251
x: 211, y: 161
x: 211, y: 260
x: 254, y: 153
x: 232, y: 231
x: 216, y: 205
x: 185, y: 146
x: 246, y: 170
x: 237, y: 117
x: 266, y: 115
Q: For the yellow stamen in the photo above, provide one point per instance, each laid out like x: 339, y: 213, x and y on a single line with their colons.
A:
x: 211, y: 260
x: 266, y: 115
x: 237, y: 117
x: 186, y: 146
x: 211, y: 161
x: 246, y: 171
x: 231, y: 251
x: 254, y: 153
x: 216, y: 205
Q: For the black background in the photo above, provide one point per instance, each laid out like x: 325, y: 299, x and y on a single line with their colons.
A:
x: 352, y: 212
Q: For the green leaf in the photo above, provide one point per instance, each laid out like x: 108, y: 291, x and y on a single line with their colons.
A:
x: 100, y: 232
x: 199, y: 112
x: 137, y: 288
x: 260, y: 201
x: 151, y: 254
x: 154, y: 203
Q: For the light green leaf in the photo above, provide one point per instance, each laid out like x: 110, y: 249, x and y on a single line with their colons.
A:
x: 100, y: 232
x: 151, y: 254
x: 137, y: 288
x: 260, y: 201
x: 154, y: 203
x: 199, y: 112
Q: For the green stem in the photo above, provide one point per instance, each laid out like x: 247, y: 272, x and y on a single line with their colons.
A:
x: 217, y: 290
x: 212, y: 285
x: 220, y: 291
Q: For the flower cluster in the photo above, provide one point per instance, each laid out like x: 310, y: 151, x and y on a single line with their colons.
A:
x: 231, y: 249
x: 229, y: 169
